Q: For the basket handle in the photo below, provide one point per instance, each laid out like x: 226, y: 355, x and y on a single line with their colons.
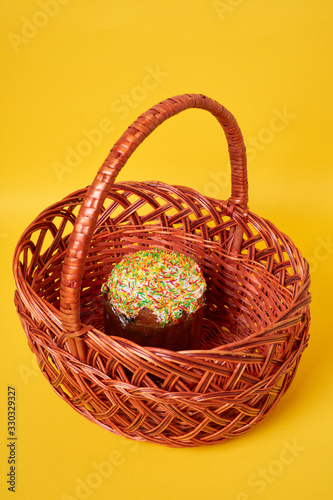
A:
x: 72, y: 270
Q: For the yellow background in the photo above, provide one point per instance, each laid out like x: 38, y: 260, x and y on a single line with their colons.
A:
x: 70, y: 67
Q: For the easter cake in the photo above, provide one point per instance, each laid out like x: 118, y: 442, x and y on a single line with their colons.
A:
x: 155, y: 298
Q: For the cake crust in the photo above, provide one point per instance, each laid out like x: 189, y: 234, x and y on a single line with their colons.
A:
x: 183, y: 335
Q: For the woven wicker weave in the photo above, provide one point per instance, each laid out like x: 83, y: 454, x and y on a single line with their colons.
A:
x: 256, y: 319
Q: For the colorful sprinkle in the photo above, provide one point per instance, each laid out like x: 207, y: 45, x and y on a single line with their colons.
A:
x: 168, y: 283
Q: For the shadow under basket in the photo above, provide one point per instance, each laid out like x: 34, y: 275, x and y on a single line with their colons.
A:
x: 256, y: 318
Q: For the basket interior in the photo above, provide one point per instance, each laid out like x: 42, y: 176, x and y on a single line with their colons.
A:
x: 246, y: 293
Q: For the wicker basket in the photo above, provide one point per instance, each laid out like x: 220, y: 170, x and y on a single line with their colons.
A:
x: 256, y: 318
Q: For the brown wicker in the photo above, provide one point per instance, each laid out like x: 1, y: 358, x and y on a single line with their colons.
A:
x: 256, y: 319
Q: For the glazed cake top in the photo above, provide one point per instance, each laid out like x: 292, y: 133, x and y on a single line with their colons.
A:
x: 167, y: 283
